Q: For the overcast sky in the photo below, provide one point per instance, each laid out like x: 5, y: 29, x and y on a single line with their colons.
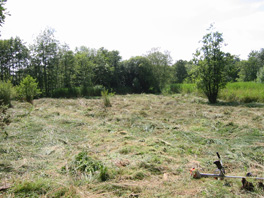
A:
x: 133, y: 27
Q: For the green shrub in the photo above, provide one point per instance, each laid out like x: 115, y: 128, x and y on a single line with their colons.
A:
x: 75, y: 92
x: 175, y: 88
x: 6, y: 93
x: 97, y: 90
x: 123, y: 90
x: 182, y: 88
x: 91, y: 91
x: 85, y: 91
x: 189, y: 88
x: 60, y: 93
x: 28, y: 89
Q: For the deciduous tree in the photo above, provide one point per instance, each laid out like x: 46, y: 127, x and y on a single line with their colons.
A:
x: 211, y: 64
x: 180, y: 72
x: 161, y: 61
x: 140, y: 75
x: 14, y: 59
x: 3, y: 12
x: 45, y: 59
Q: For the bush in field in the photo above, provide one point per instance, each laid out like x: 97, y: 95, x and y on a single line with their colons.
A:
x: 28, y: 89
x: 6, y: 92
x: 211, y: 63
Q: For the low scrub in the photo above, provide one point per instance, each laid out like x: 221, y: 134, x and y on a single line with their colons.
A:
x: 181, y: 88
x: 6, y: 93
x: 75, y: 92
x: 92, y: 91
x: 28, y: 89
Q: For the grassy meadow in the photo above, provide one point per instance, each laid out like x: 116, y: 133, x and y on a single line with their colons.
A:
x: 245, y: 92
x: 238, y: 92
x: 139, y: 146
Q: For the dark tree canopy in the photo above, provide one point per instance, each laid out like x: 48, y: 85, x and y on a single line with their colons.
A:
x: 180, y: 72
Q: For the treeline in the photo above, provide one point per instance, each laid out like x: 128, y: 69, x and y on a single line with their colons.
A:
x: 61, y: 72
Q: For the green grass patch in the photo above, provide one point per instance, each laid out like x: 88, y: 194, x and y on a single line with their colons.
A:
x: 40, y: 187
x: 34, y: 188
x: 245, y: 92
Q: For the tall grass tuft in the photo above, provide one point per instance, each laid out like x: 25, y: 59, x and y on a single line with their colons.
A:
x: 106, y: 98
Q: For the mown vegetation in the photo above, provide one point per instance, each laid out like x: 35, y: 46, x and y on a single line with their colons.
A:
x: 141, y: 146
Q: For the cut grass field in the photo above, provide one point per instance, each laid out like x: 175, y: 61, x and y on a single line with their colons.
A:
x: 143, y: 146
